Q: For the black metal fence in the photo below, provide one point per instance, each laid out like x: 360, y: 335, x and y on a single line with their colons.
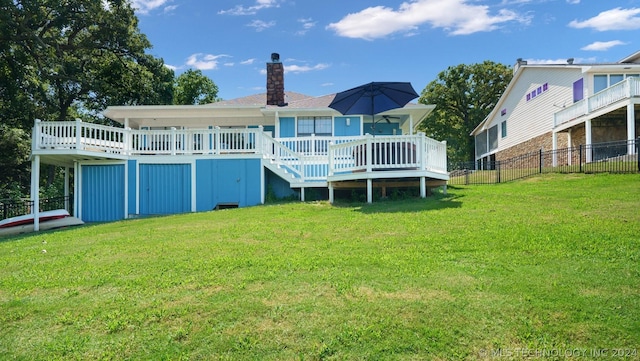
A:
x: 12, y: 208
x: 611, y: 157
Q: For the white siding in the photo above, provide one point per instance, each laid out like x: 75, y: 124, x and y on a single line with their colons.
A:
x: 529, y: 119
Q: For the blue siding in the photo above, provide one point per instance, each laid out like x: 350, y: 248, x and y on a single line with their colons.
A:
x: 287, y: 127
x: 165, y: 188
x: 227, y: 181
x: 131, y: 185
x: 102, y: 192
x: 341, y: 129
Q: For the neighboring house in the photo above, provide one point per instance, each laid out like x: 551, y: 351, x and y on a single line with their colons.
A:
x: 553, y: 106
x: 175, y: 159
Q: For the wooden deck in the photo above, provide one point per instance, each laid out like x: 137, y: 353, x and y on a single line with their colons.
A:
x: 304, y: 162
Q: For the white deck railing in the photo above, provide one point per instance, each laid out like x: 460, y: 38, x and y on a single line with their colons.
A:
x: 413, y: 152
x: 626, y: 89
x: 305, y: 158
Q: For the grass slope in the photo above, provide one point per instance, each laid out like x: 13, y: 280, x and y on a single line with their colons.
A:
x: 548, y: 264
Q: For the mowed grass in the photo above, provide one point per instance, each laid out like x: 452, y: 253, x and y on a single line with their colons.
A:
x: 547, y: 264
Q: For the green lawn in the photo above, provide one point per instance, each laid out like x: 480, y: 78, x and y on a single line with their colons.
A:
x: 548, y: 264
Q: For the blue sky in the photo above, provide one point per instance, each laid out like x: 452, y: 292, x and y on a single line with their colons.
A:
x: 328, y: 46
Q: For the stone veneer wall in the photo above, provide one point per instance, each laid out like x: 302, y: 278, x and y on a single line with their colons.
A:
x: 275, y: 83
x: 544, y: 142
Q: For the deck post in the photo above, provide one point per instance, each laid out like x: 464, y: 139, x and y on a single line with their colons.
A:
x: 330, y: 165
x: 588, y: 139
x: 35, y: 191
x: 554, y: 147
x: 259, y: 148
x: 66, y: 188
x: 369, y: 190
x: 302, y: 194
x: 78, y: 133
x: 423, y: 187
x: 631, y: 127
x: 217, y: 140
x: 331, y: 192
x: 173, y: 140
x: 368, y: 154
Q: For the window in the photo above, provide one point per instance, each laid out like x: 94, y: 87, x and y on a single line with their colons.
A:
x: 503, y: 129
x: 603, y: 81
x: 481, y: 143
x: 615, y: 78
x: 320, y: 126
x: 600, y: 82
x: 493, y: 137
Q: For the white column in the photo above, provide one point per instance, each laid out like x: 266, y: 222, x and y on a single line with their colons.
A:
x: 76, y: 189
x: 77, y: 210
x: 423, y: 187
x: 35, y: 191
x: 66, y: 188
x: 369, y: 191
x: 587, y: 128
x: 330, y: 192
x: 554, y: 147
x: 569, y: 148
x: 302, y: 194
x: 631, y: 127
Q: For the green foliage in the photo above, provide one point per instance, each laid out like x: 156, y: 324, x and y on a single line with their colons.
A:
x: 548, y: 263
x: 15, y: 148
x: 464, y: 95
x: 193, y: 87
x: 75, y: 53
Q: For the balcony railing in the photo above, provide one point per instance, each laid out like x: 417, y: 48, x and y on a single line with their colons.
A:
x: 381, y: 153
x: 305, y: 158
x: 623, y: 90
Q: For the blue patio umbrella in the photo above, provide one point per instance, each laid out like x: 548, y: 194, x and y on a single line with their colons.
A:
x: 373, y: 98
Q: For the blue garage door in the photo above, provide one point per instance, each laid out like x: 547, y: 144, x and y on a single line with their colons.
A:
x: 165, y: 188
x: 102, y: 193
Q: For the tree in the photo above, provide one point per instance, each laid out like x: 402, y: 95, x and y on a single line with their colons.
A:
x: 81, y: 54
x: 15, y: 147
x: 193, y: 87
x: 64, y: 58
x: 463, y: 95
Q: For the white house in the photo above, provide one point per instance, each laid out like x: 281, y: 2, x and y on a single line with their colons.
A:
x: 552, y: 106
x: 174, y: 159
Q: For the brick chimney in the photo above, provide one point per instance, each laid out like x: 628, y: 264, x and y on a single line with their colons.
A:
x: 275, y: 81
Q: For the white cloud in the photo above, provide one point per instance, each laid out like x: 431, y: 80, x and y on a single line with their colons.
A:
x: 204, y: 61
x: 260, y: 25
x: 145, y: 6
x: 297, y: 69
x: 573, y: 1
x: 603, y: 45
x: 307, y: 24
x: 614, y: 19
x: 248, y: 61
x: 250, y: 10
x: 172, y: 67
x: 169, y: 9
x: 454, y: 16
x: 304, y: 68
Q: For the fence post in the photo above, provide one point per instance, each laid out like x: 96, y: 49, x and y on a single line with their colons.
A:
x: 580, y: 157
x: 498, y: 170
x: 541, y: 161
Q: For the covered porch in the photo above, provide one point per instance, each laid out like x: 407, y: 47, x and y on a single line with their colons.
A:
x: 612, y: 114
